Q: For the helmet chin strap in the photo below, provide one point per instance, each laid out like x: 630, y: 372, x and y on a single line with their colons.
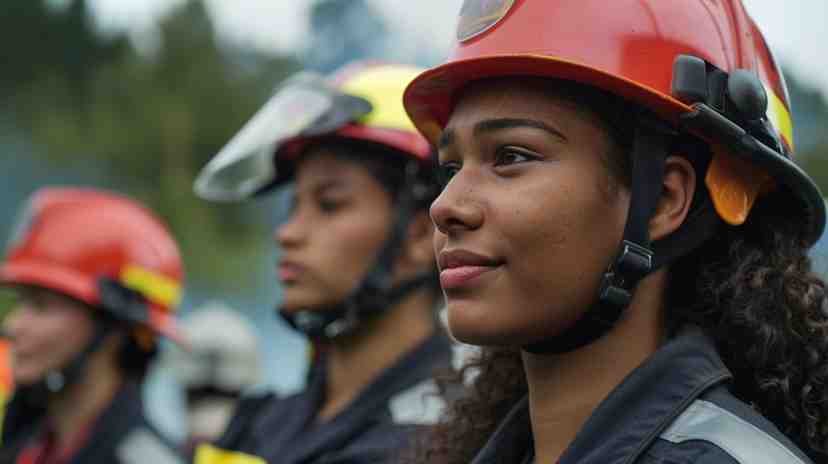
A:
x: 376, y: 294
x: 638, y: 257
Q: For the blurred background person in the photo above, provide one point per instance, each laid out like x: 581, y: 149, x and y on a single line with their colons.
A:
x: 97, y: 278
x: 222, y: 361
x: 356, y: 266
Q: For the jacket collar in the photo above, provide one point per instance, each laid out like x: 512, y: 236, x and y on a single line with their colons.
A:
x: 634, y: 413
x: 365, y: 410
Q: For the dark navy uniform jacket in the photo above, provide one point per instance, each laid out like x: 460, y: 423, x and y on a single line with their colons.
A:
x: 372, y: 429
x: 121, y: 435
x: 673, y: 409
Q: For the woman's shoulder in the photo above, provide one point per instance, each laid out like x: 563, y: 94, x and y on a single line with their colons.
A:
x: 718, y: 428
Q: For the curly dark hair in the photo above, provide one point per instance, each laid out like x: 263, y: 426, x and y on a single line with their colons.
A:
x: 750, y: 288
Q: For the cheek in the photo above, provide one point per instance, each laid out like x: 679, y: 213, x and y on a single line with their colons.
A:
x: 54, y: 338
x: 348, y: 247
x: 559, y: 247
x: 557, y: 235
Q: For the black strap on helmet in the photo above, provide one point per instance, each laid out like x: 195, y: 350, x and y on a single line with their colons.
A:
x: 638, y: 257
x: 635, y: 259
x: 377, y: 292
x: 119, y: 305
x: 727, y: 107
x: 57, y: 380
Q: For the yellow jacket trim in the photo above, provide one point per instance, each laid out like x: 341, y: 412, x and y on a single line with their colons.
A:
x: 208, y: 454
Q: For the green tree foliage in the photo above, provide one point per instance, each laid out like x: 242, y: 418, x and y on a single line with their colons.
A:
x: 40, y: 41
x: 149, y: 122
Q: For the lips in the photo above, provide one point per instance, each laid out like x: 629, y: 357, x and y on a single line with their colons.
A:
x: 289, y: 271
x: 461, y: 268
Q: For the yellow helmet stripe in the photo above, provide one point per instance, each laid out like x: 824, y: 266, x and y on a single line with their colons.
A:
x: 158, y: 288
x: 383, y: 87
x: 780, y: 117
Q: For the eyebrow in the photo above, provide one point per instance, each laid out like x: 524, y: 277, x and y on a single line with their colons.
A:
x: 322, y: 187
x: 493, y: 125
x: 333, y: 184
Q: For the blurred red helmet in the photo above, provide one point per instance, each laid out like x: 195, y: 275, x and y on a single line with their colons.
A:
x: 71, y: 240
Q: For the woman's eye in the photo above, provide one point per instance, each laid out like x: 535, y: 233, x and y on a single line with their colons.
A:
x: 512, y: 155
x: 445, y: 172
x: 328, y: 206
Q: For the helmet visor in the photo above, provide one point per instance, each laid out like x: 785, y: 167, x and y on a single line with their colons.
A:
x: 306, y: 105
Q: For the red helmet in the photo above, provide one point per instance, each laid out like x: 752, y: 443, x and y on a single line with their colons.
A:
x: 71, y: 240
x: 629, y: 48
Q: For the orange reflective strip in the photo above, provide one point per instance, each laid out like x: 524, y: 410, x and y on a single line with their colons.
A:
x: 6, y: 381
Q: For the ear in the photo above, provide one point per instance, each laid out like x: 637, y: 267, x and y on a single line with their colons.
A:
x: 677, y: 194
x: 419, y: 249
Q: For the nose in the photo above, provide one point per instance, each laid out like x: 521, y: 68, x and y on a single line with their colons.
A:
x: 291, y: 233
x: 456, y: 209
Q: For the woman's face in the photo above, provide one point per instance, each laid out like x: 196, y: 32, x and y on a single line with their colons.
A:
x: 530, y: 218
x: 47, y: 330
x: 340, y: 217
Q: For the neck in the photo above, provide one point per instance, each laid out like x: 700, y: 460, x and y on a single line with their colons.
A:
x: 565, y: 389
x: 356, y: 361
x: 80, y: 403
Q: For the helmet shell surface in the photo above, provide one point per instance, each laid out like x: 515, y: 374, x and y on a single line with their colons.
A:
x: 68, y: 239
x: 628, y: 48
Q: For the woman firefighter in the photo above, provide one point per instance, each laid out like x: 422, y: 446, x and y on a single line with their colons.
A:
x: 356, y: 267
x: 96, y: 277
x: 623, y: 229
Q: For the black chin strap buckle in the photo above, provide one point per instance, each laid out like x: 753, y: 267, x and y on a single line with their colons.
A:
x: 633, y: 264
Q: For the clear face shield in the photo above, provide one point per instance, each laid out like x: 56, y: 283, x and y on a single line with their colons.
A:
x: 305, y: 105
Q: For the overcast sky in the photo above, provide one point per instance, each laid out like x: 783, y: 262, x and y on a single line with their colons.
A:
x: 794, y: 28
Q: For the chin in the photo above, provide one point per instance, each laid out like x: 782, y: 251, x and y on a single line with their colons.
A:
x: 492, y: 325
x: 478, y: 328
x: 293, y: 302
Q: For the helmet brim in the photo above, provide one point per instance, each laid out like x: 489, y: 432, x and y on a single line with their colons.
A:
x: 81, y: 288
x: 431, y: 97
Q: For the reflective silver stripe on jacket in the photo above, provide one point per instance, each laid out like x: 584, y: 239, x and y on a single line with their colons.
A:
x: 419, y: 405
x: 740, y: 439
x: 143, y: 447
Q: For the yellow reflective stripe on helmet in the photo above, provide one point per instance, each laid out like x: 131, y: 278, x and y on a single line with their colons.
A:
x: 383, y: 87
x: 780, y: 117
x: 158, y: 288
x: 208, y: 454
